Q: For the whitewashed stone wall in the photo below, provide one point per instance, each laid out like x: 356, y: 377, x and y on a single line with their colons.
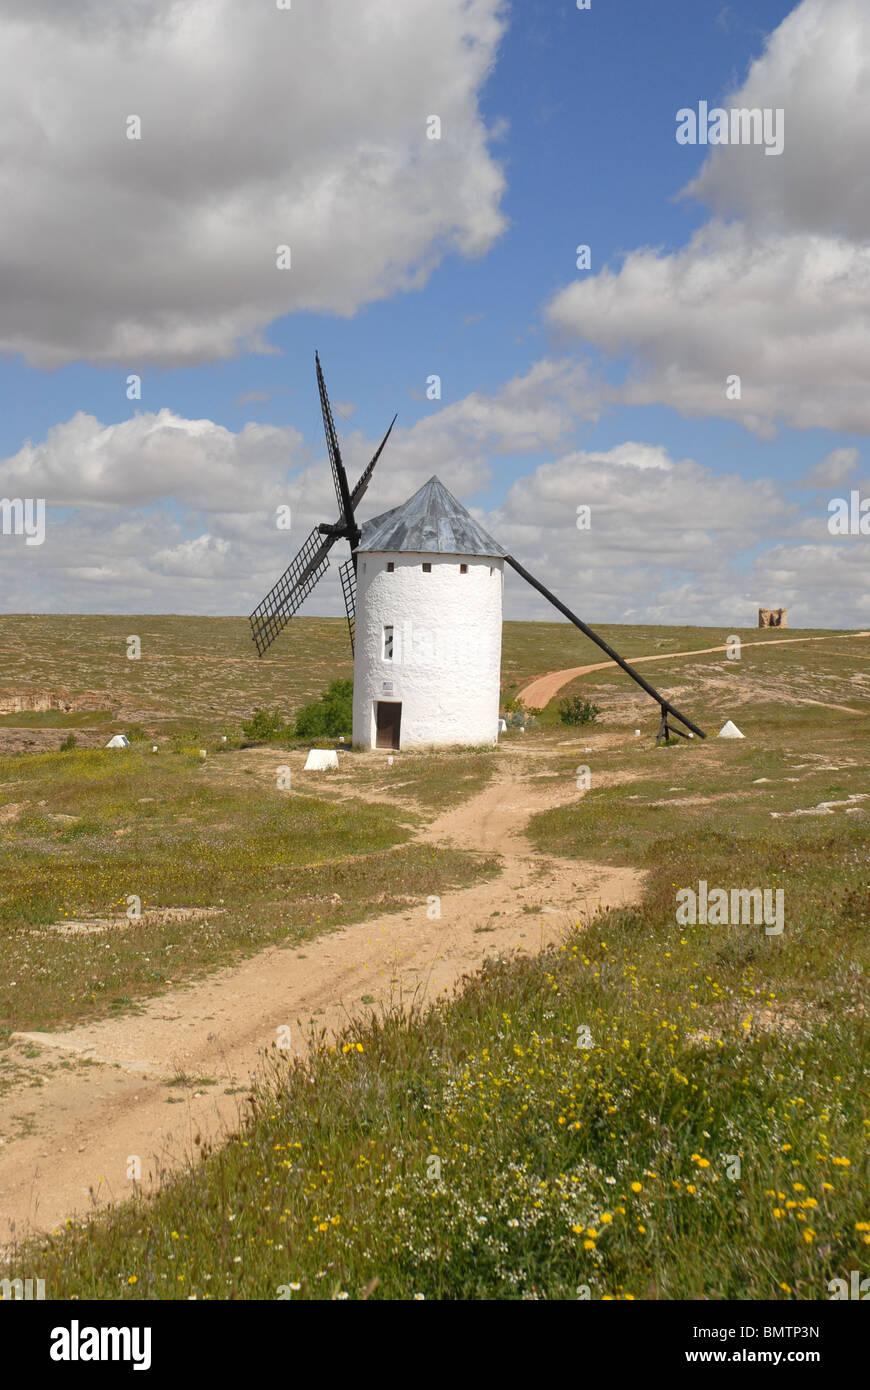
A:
x: 446, y: 661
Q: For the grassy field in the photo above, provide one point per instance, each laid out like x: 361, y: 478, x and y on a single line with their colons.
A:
x: 651, y: 1109
x: 238, y: 863
x: 198, y: 678
x: 648, y: 1111
x: 790, y: 763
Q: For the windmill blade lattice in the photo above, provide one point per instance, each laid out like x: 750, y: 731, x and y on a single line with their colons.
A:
x: 365, y: 477
x: 296, y: 583
x: 339, y: 476
x: 348, y: 588
x: 287, y: 596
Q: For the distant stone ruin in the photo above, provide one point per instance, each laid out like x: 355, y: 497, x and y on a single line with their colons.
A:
x: 36, y: 700
x: 773, y: 617
x: 33, y: 700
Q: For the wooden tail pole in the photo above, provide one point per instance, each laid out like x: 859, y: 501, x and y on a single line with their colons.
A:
x: 665, y: 706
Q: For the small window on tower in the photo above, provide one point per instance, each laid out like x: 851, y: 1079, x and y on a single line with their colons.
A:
x: 388, y: 644
x: 390, y: 567
x: 427, y: 568
x: 463, y: 569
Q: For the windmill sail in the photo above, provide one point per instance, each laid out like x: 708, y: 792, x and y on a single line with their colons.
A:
x: 287, y: 596
x: 301, y: 575
x: 365, y: 478
x: 348, y: 588
x: 339, y: 476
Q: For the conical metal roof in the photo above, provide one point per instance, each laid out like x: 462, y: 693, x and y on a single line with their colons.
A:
x: 432, y: 522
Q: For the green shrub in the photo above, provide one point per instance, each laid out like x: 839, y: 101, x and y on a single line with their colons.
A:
x: 330, y: 716
x: 69, y: 743
x: 517, y: 716
x: 575, y: 710
x: 136, y: 734
x: 264, y: 726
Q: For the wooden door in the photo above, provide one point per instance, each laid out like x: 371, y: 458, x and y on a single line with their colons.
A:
x: 388, y: 720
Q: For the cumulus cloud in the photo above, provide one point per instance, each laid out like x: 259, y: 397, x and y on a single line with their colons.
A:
x: 138, y: 505
x: 671, y: 541
x: 666, y: 541
x: 532, y: 411
x: 260, y: 128
x: 832, y: 471
x: 162, y: 514
x: 776, y: 288
x: 816, y: 68
x: 153, y: 457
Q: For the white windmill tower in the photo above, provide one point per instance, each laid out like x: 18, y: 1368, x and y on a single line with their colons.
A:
x: 423, y: 587
x: 427, y: 650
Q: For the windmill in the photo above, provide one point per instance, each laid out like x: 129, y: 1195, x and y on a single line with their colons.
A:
x: 426, y: 564
x: 286, y: 597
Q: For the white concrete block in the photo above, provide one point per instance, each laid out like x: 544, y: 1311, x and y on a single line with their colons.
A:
x: 321, y: 760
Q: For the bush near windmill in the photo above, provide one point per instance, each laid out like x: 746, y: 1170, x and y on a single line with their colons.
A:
x: 575, y: 710
x: 330, y: 717
x: 517, y: 715
x: 266, y: 726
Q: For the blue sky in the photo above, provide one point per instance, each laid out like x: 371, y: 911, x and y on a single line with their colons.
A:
x: 576, y: 109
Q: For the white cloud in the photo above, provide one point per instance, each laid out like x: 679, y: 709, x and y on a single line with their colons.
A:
x: 201, y: 558
x: 675, y: 543
x: 260, y: 127
x: 533, y: 411
x: 832, y: 471
x: 665, y: 535
x: 816, y: 68
x: 166, y: 515
x: 153, y: 457
x: 781, y: 295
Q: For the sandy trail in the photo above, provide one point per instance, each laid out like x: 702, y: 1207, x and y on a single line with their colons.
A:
x: 67, y: 1142
x: 539, y: 692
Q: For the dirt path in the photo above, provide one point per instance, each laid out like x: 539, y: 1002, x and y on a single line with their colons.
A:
x: 539, y: 692
x: 99, y: 1096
